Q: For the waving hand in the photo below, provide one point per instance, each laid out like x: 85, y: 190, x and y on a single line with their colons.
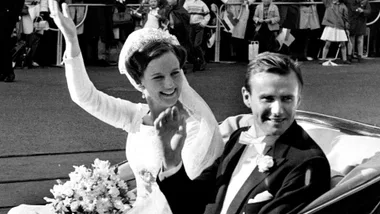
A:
x: 171, y: 134
x: 66, y: 25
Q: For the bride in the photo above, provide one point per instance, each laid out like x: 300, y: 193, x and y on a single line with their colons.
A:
x: 152, y: 60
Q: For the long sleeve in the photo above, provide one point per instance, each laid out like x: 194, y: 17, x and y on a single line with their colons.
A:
x: 367, y: 9
x: 207, y: 16
x: 345, y: 18
x: 114, y: 111
x: 201, y: 148
x: 276, y: 17
x: 188, y: 196
x: 256, y: 16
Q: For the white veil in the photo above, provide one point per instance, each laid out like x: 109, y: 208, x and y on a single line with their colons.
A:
x: 207, y: 143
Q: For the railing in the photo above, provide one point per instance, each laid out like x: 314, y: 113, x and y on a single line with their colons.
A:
x: 217, y: 47
x: 59, y: 34
x: 218, y: 26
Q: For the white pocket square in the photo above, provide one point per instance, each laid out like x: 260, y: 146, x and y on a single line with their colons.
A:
x: 264, y: 196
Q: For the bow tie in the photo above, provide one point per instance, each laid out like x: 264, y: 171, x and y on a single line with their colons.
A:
x: 262, y: 144
x: 248, y: 139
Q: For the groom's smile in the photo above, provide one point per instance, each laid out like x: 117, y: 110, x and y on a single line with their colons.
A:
x: 275, y: 99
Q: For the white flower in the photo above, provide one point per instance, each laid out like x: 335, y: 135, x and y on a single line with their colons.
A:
x: 103, y: 205
x: 264, y: 163
x: 119, y: 204
x: 62, y: 191
x: 81, y: 172
x: 113, y: 191
x: 131, y: 195
x: 97, y: 190
x: 101, y: 168
x: 74, y: 206
x: 89, y: 204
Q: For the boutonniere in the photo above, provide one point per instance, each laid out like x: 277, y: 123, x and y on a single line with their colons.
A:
x: 264, y: 163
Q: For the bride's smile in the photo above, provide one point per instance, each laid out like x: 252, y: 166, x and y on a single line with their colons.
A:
x: 162, y: 81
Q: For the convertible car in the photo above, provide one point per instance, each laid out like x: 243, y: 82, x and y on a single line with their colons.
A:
x: 353, y: 150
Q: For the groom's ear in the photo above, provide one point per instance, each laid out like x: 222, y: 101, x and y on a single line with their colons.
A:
x: 246, y: 97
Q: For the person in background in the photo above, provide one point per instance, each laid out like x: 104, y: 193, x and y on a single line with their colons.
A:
x: 139, y: 14
x: 310, y: 28
x: 358, y: 11
x: 155, y: 17
x: 199, y: 18
x: 9, y: 15
x: 289, y: 19
x: 179, y: 26
x: 272, y: 166
x: 266, y: 18
x: 336, y: 25
x: 37, y: 19
x: 37, y: 14
x: 98, y: 32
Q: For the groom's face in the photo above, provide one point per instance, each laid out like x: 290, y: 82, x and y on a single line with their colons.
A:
x: 273, y: 100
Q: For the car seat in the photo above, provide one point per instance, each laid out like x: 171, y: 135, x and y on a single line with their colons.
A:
x: 355, y: 163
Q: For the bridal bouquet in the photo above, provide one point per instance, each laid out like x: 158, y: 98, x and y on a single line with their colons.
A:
x: 92, y: 191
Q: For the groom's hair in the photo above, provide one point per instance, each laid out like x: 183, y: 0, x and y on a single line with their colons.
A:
x: 272, y: 63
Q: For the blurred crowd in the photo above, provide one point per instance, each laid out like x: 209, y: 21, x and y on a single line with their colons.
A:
x: 293, y: 29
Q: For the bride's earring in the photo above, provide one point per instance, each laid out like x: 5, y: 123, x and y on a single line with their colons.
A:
x: 144, y: 94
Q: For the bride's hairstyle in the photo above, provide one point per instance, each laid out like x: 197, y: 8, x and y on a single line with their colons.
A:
x: 140, y: 59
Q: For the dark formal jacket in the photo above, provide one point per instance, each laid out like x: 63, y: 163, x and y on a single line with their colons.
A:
x: 358, y: 21
x: 181, y: 28
x: 181, y: 19
x: 300, y: 174
x: 99, y: 21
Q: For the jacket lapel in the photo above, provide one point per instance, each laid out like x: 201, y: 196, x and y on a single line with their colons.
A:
x: 253, y: 180
x: 256, y: 177
x: 225, y: 170
x: 229, y: 163
x: 233, y: 150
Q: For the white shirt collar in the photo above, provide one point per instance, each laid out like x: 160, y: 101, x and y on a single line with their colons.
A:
x: 250, y: 138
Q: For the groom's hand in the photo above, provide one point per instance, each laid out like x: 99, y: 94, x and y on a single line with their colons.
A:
x: 170, y: 127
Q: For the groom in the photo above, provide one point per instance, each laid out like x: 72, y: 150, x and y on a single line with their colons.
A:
x: 271, y: 167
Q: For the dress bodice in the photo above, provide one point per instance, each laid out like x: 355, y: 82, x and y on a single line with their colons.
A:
x: 143, y: 158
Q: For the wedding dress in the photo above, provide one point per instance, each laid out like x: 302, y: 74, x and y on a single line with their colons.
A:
x: 203, y: 142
